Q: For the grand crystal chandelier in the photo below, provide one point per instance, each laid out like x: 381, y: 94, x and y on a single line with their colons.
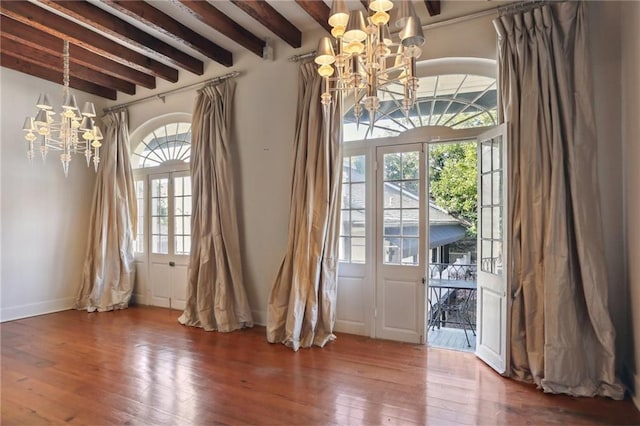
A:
x: 366, y: 62
x: 74, y: 132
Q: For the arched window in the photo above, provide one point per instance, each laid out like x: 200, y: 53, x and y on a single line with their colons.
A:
x: 161, y: 152
x: 453, y: 93
x: 167, y: 143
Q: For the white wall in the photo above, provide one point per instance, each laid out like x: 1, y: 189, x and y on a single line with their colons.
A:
x: 604, y: 24
x: 631, y: 155
x: 44, y: 216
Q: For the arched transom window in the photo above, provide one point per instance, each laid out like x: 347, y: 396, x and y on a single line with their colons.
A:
x: 457, y: 101
x: 167, y: 143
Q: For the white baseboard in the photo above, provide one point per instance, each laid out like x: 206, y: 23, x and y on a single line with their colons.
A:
x: 259, y: 317
x: 350, y: 327
x: 138, y: 299
x: 32, y: 309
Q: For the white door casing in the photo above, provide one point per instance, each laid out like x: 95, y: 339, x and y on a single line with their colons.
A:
x: 493, y: 301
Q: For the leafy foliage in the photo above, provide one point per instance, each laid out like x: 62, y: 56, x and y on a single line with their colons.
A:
x: 453, y: 173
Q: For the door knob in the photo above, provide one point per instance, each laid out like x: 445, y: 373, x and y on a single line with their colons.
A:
x: 172, y: 263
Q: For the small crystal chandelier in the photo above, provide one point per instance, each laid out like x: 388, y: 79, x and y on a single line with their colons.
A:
x: 73, y: 133
x: 365, y: 63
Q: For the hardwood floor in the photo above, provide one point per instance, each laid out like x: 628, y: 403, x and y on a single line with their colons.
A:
x: 139, y: 366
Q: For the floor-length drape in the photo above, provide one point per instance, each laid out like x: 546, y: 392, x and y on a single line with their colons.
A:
x: 216, y: 297
x: 302, y: 303
x: 562, y: 337
x: 109, y: 269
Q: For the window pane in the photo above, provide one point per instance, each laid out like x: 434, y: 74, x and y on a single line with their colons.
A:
x: 357, y: 195
x: 358, y: 250
x: 411, y: 165
x: 497, y: 257
x: 410, y: 222
x: 410, y: 249
x: 344, y: 249
x: 392, y: 222
x: 353, y: 214
x: 497, y: 222
x: 391, y: 249
x: 485, y: 188
x: 486, y: 263
x: 392, y: 166
x: 187, y: 205
x: 345, y: 169
x: 486, y: 157
x: 346, y: 196
x: 358, y: 168
x: 497, y: 153
x: 391, y: 196
x: 485, y: 223
x: 410, y: 194
x: 497, y: 187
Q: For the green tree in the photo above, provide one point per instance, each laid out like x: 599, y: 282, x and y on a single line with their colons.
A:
x: 453, y: 174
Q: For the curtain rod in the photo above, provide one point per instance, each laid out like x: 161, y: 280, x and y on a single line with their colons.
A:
x: 443, y: 23
x: 162, y: 95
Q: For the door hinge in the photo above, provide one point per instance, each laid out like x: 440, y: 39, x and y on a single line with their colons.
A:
x: 375, y: 313
x: 424, y: 280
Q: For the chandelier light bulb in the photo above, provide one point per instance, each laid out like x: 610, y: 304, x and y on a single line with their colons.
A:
x: 325, y: 54
x: 357, y: 28
x: 380, y: 18
x: 325, y: 70
x: 380, y: 5
x: 339, y: 14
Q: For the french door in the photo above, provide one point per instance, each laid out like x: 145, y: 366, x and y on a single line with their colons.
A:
x: 400, y: 243
x: 169, y: 237
x: 493, y: 302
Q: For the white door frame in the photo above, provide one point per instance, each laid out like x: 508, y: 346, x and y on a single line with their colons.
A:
x: 367, y: 273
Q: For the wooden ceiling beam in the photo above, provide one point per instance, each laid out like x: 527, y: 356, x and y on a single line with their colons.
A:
x: 220, y: 22
x: 20, y: 65
x: 37, y: 17
x: 40, y: 40
x: 107, y: 23
x: 170, y: 27
x: 433, y: 7
x: 55, y: 62
x: 318, y: 10
x: 262, y: 12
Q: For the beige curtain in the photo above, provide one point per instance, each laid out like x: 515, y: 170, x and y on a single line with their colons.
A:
x: 216, y: 297
x: 302, y: 303
x: 109, y: 271
x: 561, y: 335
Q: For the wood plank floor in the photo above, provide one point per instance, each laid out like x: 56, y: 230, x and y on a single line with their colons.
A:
x: 139, y: 366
